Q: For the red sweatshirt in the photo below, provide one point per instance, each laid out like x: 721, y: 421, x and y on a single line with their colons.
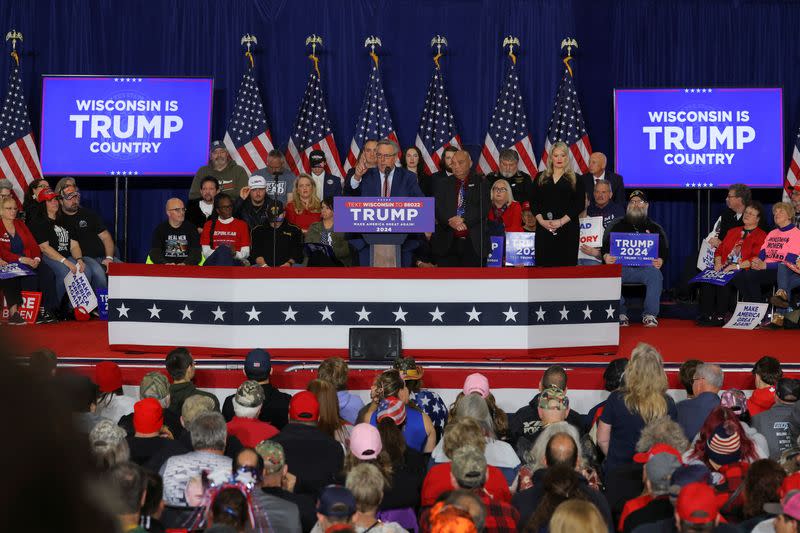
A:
x: 30, y: 246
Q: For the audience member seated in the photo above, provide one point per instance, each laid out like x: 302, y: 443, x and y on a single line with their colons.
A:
x: 229, y: 512
x: 335, y: 510
x: 275, y: 409
x: 278, y: 244
x: 777, y: 423
x: 762, y: 486
x: 781, y: 245
x: 181, y: 368
x: 252, y: 206
x: 612, y: 380
x: 334, y: 370
x: 636, y: 220
x: 199, y: 210
x: 559, y: 484
x: 520, y: 185
x: 86, y: 227
x: 175, y: 241
x: 367, y: 484
x: 698, y: 509
x: 526, y: 421
x: 469, y: 471
x: 553, y: 408
x: 30, y: 204
x: 80, y: 393
x: 737, y: 251
x: 275, y: 494
x: 43, y: 365
x: 597, y: 172
x: 208, y: 434
x: 577, y: 515
x: 231, y: 177
x: 225, y: 239
x: 150, y: 434
x: 686, y: 376
x: 325, y: 247
x: 278, y: 177
x: 127, y: 483
x: 107, y: 445
x: 459, y: 433
x: 736, y: 401
x: 311, y: 455
x: 601, y: 206
x: 653, y: 505
x: 305, y: 207
x: 153, y: 507
x: 390, y: 399
x: 707, y: 382
x: 155, y: 385
x: 766, y: 372
x: 245, y: 425
x: 408, y: 466
x: 330, y: 422
x: 111, y: 402
x: 643, y: 398
x: 327, y: 183
x: 722, y: 420
x: 18, y: 245
x: 504, y: 213
x: 60, y: 249
x: 427, y: 400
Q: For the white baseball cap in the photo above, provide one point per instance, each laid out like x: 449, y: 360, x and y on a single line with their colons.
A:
x: 257, y: 182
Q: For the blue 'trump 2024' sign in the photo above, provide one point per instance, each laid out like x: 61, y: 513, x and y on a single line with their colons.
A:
x: 125, y: 125
x: 699, y: 138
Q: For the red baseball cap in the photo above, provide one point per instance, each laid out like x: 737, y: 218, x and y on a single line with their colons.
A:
x: 148, y: 416
x: 108, y: 376
x: 697, y: 504
x: 46, y: 194
x: 789, y: 484
x: 304, y: 407
x: 656, y: 449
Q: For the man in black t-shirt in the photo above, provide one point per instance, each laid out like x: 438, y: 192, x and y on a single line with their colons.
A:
x: 86, y: 227
x: 175, y: 241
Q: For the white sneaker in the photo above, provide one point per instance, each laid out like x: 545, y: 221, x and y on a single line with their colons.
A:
x: 623, y: 321
x: 650, y: 321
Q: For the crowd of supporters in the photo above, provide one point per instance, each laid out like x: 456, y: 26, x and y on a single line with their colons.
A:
x: 176, y: 458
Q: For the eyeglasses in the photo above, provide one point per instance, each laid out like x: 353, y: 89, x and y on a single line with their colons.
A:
x: 179, y: 209
x: 500, y: 189
x: 386, y: 156
x: 732, y: 196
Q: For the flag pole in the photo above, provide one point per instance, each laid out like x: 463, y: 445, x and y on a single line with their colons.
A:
x: 511, y: 42
x: 438, y: 41
x: 314, y: 40
x: 568, y: 43
x: 249, y: 40
x: 372, y: 42
x: 14, y: 36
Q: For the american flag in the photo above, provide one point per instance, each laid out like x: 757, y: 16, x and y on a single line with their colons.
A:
x: 248, y: 138
x: 508, y: 128
x: 437, y: 127
x: 19, y: 160
x: 793, y: 174
x: 374, y: 121
x: 312, y: 131
x: 566, y: 125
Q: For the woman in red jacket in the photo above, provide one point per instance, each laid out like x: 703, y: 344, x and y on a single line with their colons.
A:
x: 503, y: 210
x: 737, y: 251
x: 17, y: 245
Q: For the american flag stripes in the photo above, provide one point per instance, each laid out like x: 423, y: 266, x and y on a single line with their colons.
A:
x: 248, y: 138
x: 19, y: 159
x: 566, y: 125
x: 437, y: 127
x: 312, y: 131
x: 374, y: 121
x: 793, y: 174
x: 508, y: 128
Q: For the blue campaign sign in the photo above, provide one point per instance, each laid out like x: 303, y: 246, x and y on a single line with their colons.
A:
x: 125, y: 126
x: 495, y: 258
x: 699, y: 138
x: 634, y: 249
x: 102, y: 303
x: 520, y: 248
x: 713, y: 277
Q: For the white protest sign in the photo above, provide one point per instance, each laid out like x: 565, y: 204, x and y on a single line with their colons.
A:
x: 591, y: 235
x: 705, y: 259
x: 80, y: 291
x: 748, y: 315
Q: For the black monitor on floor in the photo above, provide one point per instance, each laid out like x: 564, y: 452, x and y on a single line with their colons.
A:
x: 375, y: 344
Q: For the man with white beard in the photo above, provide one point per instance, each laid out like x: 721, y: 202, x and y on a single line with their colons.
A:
x: 637, y: 221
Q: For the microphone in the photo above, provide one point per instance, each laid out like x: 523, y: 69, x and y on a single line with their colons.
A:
x: 550, y: 217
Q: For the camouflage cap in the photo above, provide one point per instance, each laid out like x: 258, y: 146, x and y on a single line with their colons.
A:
x: 553, y: 398
x: 107, y: 433
x: 154, y: 385
x: 469, y: 467
x: 194, y: 406
x: 272, y: 453
x: 408, y: 368
x: 249, y: 394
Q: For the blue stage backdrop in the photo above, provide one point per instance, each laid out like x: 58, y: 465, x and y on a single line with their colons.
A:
x: 622, y: 43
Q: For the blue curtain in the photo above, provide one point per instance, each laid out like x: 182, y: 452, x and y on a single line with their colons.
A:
x: 622, y: 43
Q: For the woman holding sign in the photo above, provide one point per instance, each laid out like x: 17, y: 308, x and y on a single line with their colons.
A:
x: 736, y: 252
x: 558, y: 199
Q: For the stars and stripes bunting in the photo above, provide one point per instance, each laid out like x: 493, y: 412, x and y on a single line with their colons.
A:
x: 248, y: 138
x: 19, y: 159
x: 437, y: 126
x: 374, y: 120
x: 508, y: 127
x: 793, y: 173
x: 566, y: 125
x: 312, y: 131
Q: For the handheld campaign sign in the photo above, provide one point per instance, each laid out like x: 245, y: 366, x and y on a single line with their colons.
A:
x: 634, y: 249
x: 383, y: 215
x: 520, y: 248
x: 125, y: 126
x: 699, y: 138
x: 15, y: 270
x: 495, y: 258
x: 28, y: 309
x: 102, y: 303
x: 591, y: 235
x: 747, y: 315
x: 713, y: 277
x: 80, y: 291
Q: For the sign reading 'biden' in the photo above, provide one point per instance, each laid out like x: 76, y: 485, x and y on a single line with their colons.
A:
x: 125, y: 126
x: 699, y: 138
x: 383, y: 215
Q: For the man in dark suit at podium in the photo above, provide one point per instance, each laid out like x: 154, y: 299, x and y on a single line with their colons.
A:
x: 597, y: 172
x: 386, y: 179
